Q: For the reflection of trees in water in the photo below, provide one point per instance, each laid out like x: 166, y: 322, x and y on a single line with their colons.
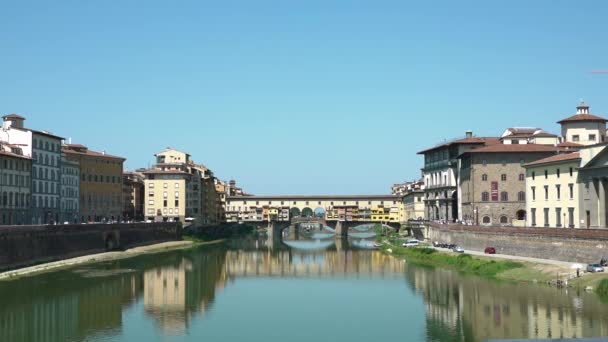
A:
x: 468, y: 308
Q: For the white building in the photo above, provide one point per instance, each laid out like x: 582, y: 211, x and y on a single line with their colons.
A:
x: 45, y: 150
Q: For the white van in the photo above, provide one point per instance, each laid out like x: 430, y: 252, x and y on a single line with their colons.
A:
x: 411, y: 243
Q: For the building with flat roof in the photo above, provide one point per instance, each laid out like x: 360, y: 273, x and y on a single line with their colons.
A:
x: 100, y: 183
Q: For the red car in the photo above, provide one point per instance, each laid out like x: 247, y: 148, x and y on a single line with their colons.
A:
x: 490, y: 250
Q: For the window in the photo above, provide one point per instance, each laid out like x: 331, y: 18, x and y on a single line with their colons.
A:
x: 165, y: 185
x: 521, y: 196
x: 504, y: 220
x: 514, y: 141
x: 484, y: 162
x: 486, y: 220
x: 546, y: 216
x: 485, y: 196
x: 571, y: 172
x: 533, y: 175
x: 177, y: 185
x: 557, y: 173
x: 522, y: 177
x: 177, y: 203
x: 150, y: 202
x: 533, y: 193
x: 150, y: 185
x: 575, y: 138
x: 591, y: 137
x: 503, y: 177
x: 571, y: 190
x: 558, y: 217
x: 150, y: 193
x: 546, y: 192
x: 504, y: 196
x: 484, y: 177
x: 558, y: 191
x: 165, y: 203
x: 571, y: 217
x: 176, y: 194
x: 504, y: 162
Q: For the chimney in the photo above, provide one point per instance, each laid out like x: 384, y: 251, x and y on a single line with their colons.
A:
x: 469, y: 134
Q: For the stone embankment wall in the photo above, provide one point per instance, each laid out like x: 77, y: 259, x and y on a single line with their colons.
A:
x: 576, y: 245
x: 22, y: 246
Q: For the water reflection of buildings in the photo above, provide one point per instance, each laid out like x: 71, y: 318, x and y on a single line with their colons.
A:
x: 474, y: 309
x: 165, y: 296
x: 70, y: 312
x: 291, y: 263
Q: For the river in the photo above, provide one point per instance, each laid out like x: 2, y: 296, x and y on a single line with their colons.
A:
x: 306, y: 292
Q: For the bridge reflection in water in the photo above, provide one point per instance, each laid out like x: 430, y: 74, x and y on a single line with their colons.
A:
x: 176, y: 290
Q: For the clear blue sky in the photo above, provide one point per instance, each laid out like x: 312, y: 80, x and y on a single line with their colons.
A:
x: 298, y: 97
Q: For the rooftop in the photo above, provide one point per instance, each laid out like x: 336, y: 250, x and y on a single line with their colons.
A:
x: 465, y: 141
x: 582, y: 114
x: 515, y: 148
x: 78, y: 149
x: 556, y: 159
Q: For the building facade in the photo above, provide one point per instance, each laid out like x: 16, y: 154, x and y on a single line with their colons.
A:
x: 492, y: 182
x: 15, y: 185
x: 45, y: 150
x: 593, y: 179
x: 552, y: 191
x: 414, y: 204
x: 440, y: 174
x: 172, y: 192
x: 133, y: 195
x: 70, y: 191
x: 100, y: 183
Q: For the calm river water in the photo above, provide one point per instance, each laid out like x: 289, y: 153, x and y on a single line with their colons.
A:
x: 311, y: 291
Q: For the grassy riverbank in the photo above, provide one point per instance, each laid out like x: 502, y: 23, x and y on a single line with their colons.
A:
x: 461, y: 262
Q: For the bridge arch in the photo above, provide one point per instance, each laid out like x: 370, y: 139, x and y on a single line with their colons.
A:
x: 295, y: 212
x: 320, y: 212
x: 307, y: 212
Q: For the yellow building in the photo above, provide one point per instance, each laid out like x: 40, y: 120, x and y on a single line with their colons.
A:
x: 552, y: 192
x: 414, y: 205
x: 100, y: 183
x: 171, y: 191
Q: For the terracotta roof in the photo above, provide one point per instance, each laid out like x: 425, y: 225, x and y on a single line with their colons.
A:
x: 583, y: 117
x: 465, y: 141
x: 76, y: 145
x: 569, y: 144
x: 514, y: 148
x: 13, y: 116
x: 556, y: 159
x: 10, y: 154
x: 91, y: 153
x: 544, y: 134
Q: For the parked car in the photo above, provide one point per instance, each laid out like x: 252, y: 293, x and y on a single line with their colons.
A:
x: 490, y: 250
x: 458, y: 249
x: 595, y: 268
x: 411, y: 243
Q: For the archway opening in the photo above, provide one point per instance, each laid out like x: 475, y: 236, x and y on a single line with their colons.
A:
x: 294, y: 212
x: 521, y: 215
x: 307, y: 212
x: 319, y: 212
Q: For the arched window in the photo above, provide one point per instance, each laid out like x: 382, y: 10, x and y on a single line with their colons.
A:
x: 521, y: 196
x: 504, y: 220
x: 522, y: 177
x: 486, y: 220
x: 484, y: 177
x: 504, y: 196
x: 485, y: 196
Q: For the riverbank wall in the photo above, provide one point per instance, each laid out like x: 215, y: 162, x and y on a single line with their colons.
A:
x: 572, y: 245
x: 22, y: 246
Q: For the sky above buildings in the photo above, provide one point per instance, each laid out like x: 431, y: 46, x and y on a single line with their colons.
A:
x: 298, y: 97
